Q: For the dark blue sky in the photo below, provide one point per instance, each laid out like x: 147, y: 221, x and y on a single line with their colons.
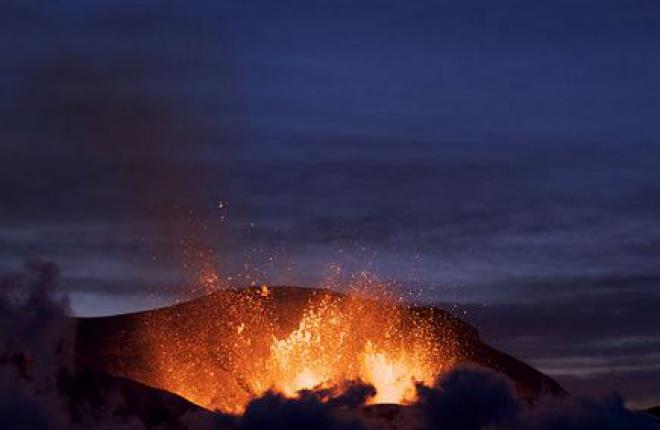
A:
x: 501, y: 155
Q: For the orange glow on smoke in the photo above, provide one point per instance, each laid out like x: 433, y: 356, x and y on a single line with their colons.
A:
x: 287, y: 340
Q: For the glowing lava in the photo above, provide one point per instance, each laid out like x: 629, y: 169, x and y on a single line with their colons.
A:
x: 245, y: 342
x: 345, y: 340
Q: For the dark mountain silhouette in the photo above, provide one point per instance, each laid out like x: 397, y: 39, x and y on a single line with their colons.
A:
x: 100, y: 398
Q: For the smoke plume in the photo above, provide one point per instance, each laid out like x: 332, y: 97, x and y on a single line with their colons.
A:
x: 36, y: 348
x: 476, y: 399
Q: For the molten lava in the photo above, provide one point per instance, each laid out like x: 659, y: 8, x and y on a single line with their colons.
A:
x: 224, y: 349
x: 245, y: 345
x: 338, y: 341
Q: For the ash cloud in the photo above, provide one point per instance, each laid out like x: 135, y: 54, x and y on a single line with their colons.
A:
x: 466, y: 398
x: 36, y: 349
x: 352, y: 394
x: 473, y: 399
x: 109, y: 163
x: 40, y: 387
x: 326, y: 409
x: 96, y: 146
x: 469, y: 399
x: 273, y: 411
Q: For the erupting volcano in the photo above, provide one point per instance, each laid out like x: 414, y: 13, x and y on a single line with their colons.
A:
x: 224, y: 349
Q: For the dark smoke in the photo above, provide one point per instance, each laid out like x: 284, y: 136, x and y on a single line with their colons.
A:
x: 36, y: 349
x: 39, y: 385
x: 93, y: 144
x: 309, y: 409
x: 463, y: 399
x: 353, y: 394
x: 109, y: 150
x: 276, y: 412
x: 350, y: 394
x: 470, y: 398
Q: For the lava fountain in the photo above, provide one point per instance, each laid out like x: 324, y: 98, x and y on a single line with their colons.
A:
x: 344, y: 339
x: 222, y: 350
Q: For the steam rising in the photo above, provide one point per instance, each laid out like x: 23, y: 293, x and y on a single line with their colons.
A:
x: 36, y: 340
x: 40, y: 387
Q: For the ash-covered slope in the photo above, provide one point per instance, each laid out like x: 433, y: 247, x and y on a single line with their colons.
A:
x: 189, y: 348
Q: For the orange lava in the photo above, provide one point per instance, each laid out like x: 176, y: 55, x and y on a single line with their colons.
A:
x: 337, y: 341
x: 261, y: 339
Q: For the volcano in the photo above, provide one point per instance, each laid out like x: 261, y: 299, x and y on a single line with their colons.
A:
x: 220, y: 350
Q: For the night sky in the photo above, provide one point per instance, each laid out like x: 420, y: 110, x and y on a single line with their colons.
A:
x: 499, y: 158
